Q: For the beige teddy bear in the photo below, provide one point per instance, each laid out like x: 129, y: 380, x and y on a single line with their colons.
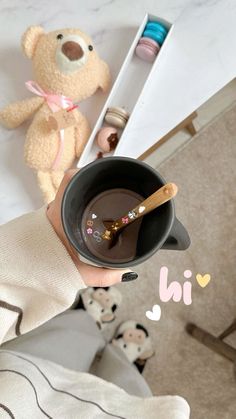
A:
x: 67, y: 70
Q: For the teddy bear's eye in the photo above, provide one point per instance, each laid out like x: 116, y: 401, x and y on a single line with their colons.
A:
x: 59, y: 36
x: 90, y: 47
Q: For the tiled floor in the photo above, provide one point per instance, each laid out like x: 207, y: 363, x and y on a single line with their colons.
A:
x: 206, y: 113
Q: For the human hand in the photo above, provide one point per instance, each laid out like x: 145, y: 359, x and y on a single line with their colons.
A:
x: 92, y: 276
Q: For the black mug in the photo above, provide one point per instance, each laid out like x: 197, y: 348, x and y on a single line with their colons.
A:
x: 160, y: 229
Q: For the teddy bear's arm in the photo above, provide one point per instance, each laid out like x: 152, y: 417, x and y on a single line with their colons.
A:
x: 16, y: 113
x: 82, y: 133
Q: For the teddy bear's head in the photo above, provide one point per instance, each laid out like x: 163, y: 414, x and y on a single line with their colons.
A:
x: 65, y: 62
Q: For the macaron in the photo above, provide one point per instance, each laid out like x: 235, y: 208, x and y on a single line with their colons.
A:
x: 107, y: 139
x: 155, y: 31
x: 117, y: 117
x: 147, y: 49
x: 152, y: 25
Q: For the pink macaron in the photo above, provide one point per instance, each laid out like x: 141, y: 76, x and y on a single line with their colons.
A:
x: 107, y: 138
x: 147, y: 49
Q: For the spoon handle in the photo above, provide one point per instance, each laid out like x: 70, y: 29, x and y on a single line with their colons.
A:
x: 162, y: 195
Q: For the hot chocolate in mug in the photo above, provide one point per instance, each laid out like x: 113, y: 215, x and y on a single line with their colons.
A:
x: 160, y: 229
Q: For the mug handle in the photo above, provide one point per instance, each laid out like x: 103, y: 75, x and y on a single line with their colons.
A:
x: 178, y: 238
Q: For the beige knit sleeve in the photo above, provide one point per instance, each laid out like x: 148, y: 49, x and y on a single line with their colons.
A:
x: 38, y: 278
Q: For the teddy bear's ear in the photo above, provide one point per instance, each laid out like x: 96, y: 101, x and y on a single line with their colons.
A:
x: 30, y: 38
x: 104, y: 77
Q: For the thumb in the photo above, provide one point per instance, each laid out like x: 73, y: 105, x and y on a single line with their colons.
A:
x: 102, y: 277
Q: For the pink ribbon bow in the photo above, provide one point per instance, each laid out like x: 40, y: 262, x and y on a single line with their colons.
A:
x: 55, y: 103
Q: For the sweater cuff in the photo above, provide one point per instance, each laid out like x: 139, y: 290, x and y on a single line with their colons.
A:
x: 60, y: 260
x: 42, y: 259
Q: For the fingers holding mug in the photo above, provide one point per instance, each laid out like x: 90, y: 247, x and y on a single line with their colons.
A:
x: 103, y: 277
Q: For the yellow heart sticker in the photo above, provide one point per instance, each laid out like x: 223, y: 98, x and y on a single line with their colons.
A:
x: 203, y: 280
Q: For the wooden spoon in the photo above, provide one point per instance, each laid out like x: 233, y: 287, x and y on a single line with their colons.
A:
x: 162, y: 195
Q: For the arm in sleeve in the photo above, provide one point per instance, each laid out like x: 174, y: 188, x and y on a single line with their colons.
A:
x: 38, y: 278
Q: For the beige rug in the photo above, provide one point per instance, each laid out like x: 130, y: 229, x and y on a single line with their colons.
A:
x: 205, y: 172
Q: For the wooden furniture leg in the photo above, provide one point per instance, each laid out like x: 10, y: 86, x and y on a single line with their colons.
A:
x: 191, y: 129
x: 212, y: 342
x: 229, y: 330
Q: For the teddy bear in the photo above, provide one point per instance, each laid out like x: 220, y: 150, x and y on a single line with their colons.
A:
x: 67, y: 70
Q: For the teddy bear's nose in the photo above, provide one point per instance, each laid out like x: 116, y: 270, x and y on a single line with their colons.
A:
x: 72, y: 50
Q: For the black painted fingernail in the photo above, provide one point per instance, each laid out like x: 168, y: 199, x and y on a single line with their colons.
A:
x: 129, y: 276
